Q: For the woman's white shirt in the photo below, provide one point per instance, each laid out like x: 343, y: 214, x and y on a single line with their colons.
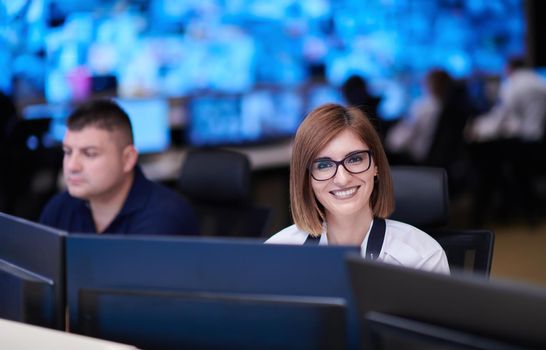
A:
x: 403, y: 245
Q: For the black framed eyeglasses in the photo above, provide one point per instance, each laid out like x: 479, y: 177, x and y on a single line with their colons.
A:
x: 356, y: 162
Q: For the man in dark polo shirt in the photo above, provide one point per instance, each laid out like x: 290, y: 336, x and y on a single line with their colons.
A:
x: 107, y: 191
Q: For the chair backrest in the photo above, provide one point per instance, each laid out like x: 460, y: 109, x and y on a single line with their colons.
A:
x: 421, y: 195
x: 218, y: 184
x: 422, y: 200
x: 215, y: 176
x: 467, y: 250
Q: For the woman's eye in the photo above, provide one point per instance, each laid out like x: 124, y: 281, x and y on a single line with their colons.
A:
x: 355, y: 159
x: 323, y: 165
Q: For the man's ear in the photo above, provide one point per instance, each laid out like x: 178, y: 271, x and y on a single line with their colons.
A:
x: 130, y: 158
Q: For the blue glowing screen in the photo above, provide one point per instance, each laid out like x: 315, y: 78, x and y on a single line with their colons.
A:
x: 66, y: 51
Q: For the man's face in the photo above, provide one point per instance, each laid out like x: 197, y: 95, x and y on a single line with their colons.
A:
x: 95, y: 163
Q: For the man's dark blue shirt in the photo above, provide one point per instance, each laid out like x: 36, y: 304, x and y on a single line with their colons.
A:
x: 149, y: 209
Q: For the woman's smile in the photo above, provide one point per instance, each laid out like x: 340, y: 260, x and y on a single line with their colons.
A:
x: 345, y: 193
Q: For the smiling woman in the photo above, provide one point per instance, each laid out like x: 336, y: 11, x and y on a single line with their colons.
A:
x: 349, y: 204
x: 345, y: 196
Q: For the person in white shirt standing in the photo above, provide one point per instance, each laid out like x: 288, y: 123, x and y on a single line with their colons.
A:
x: 507, y: 143
x: 341, y: 192
x: 521, y: 110
x: 414, y: 135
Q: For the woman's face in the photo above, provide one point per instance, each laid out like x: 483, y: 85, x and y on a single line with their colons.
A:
x: 345, y: 194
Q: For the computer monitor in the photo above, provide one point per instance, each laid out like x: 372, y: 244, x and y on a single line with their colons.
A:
x: 260, y: 116
x: 320, y: 94
x: 31, y: 273
x: 388, y: 332
x: 276, y: 113
x: 215, y: 120
x: 499, y: 310
x: 150, y: 121
x: 53, y: 117
x: 181, y: 292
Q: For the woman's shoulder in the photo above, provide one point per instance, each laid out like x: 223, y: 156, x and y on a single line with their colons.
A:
x: 289, y: 235
x: 409, y: 246
x: 411, y: 235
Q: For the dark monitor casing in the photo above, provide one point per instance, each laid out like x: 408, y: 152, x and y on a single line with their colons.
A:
x: 506, y: 312
x: 173, y: 292
x: 31, y: 273
x: 388, y: 332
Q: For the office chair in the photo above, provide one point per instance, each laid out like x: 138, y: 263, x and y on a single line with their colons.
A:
x: 218, y: 184
x: 421, y: 196
x: 422, y: 200
x: 31, y: 165
x: 467, y: 250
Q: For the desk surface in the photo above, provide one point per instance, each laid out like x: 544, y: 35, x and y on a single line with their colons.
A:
x: 166, y: 166
x: 21, y: 336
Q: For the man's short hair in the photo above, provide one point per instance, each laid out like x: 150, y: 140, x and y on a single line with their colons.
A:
x: 103, y: 114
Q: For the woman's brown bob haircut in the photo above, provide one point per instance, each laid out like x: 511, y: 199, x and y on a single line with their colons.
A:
x: 320, y: 127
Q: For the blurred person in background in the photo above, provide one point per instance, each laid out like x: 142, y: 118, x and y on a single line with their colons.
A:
x: 432, y: 135
x: 356, y: 93
x: 507, y: 143
x: 412, y: 137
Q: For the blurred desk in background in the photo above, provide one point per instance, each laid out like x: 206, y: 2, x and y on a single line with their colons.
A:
x: 166, y: 166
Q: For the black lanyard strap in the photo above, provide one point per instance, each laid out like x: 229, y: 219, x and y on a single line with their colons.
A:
x: 377, y: 236
x: 375, y: 241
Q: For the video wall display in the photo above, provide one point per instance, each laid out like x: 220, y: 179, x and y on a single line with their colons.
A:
x: 65, y: 51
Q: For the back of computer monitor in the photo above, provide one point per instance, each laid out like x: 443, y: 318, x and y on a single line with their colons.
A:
x: 31, y: 273
x: 388, y: 332
x: 184, y: 320
x: 503, y: 311
x: 207, y: 293
x: 26, y: 297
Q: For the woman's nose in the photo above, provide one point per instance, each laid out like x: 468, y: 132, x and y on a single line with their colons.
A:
x: 342, y: 175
